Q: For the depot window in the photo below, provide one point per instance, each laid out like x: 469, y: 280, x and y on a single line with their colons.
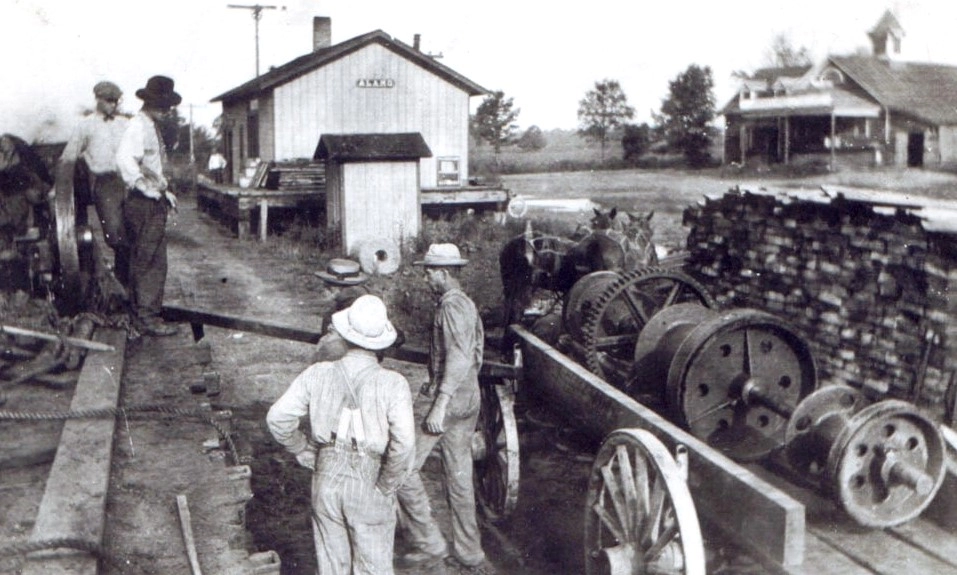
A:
x: 448, y: 171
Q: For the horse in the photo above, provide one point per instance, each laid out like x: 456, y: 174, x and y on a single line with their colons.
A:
x: 636, y: 236
x: 24, y: 182
x: 528, y: 262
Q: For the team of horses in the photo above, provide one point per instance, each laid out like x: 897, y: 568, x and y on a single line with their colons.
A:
x: 531, y: 261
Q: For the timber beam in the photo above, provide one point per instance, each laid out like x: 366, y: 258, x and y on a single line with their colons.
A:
x: 754, y: 513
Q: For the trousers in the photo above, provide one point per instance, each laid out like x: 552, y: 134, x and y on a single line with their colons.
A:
x: 145, y: 224
x: 353, y: 524
x: 109, y: 193
x: 415, y: 512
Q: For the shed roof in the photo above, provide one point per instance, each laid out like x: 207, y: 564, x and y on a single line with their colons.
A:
x: 372, y: 147
x: 314, y: 60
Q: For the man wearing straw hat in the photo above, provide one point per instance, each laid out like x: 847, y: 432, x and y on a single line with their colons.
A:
x: 362, y: 442
x: 454, y: 361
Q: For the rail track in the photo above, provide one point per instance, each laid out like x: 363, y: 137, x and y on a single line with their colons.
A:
x: 86, y: 476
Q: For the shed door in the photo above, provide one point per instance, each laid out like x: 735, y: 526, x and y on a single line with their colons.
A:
x: 915, y: 149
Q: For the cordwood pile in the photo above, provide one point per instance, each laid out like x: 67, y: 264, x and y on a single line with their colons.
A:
x: 866, y: 281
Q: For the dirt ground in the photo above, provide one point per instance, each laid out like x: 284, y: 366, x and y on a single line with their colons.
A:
x: 212, y: 270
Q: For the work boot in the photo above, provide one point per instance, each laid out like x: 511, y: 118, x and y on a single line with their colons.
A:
x: 420, y: 559
x: 154, y: 326
x: 483, y: 567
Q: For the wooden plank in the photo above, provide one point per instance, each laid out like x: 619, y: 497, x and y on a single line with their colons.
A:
x: 181, y: 314
x: 73, y: 509
x: 917, y: 547
x: 760, y: 517
x: 430, y: 197
x: 182, y: 505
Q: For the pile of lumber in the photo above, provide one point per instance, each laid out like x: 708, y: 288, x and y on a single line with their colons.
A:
x: 865, y: 284
x: 297, y: 175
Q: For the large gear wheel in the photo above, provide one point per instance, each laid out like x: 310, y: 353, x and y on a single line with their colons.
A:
x: 614, y: 320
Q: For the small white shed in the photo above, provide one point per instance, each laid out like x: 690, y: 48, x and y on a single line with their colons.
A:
x: 372, y: 186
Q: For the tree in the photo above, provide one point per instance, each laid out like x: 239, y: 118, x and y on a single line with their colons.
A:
x: 635, y: 141
x: 783, y: 54
x: 603, y: 110
x: 533, y: 139
x: 494, y: 121
x: 686, y: 113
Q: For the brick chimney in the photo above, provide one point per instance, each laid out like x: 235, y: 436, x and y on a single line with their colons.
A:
x: 321, y: 32
x: 416, y: 40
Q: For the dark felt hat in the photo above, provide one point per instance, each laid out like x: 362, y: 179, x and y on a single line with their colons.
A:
x: 159, y: 93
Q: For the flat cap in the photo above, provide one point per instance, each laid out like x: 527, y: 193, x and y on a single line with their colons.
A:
x: 107, y: 90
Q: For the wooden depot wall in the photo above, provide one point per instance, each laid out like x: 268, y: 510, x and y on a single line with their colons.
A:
x: 867, y: 286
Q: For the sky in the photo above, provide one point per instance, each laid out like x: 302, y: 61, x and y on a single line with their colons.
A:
x: 543, y: 55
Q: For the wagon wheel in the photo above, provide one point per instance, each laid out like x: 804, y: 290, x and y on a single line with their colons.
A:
x: 639, y: 515
x: 618, y: 315
x: 74, y: 258
x: 495, y: 450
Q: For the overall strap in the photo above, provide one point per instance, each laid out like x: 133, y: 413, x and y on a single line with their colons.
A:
x: 350, y: 418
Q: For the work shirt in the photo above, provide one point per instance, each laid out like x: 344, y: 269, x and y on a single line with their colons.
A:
x: 141, y: 153
x: 216, y: 162
x: 384, y: 406
x: 456, y: 352
x: 95, y: 139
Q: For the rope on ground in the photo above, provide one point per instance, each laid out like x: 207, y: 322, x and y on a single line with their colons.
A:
x: 111, y: 412
x: 94, y: 549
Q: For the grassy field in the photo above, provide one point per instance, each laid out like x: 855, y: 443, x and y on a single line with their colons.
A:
x: 669, y: 192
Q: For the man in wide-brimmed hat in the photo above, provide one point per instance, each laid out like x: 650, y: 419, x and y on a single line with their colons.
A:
x: 455, y: 357
x: 91, y: 153
x: 141, y: 159
x: 361, y: 446
x: 347, y: 275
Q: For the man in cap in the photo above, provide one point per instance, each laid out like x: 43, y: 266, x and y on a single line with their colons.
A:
x: 362, y: 442
x: 455, y: 357
x: 141, y: 159
x: 91, y: 153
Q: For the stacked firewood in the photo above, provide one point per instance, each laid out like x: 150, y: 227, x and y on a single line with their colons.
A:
x: 866, y: 285
x: 297, y: 175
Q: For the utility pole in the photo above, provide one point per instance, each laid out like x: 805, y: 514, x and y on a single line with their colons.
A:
x: 257, y: 10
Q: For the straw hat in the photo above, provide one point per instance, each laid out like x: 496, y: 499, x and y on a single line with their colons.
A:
x: 442, y: 255
x: 342, y: 272
x: 365, y: 323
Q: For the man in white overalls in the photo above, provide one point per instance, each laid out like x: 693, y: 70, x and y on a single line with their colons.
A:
x: 362, y: 443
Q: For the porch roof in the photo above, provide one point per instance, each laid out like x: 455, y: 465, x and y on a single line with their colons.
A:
x: 818, y: 103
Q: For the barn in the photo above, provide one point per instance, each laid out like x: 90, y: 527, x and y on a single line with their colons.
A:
x: 369, y: 85
x: 859, y: 110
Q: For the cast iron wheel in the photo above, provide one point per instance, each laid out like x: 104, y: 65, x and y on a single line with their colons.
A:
x: 74, y: 265
x: 614, y: 320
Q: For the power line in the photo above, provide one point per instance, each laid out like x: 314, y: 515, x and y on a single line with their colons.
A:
x: 257, y: 11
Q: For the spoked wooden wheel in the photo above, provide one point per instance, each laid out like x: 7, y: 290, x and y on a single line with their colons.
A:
x: 639, y: 516
x: 616, y: 317
x: 495, y: 450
